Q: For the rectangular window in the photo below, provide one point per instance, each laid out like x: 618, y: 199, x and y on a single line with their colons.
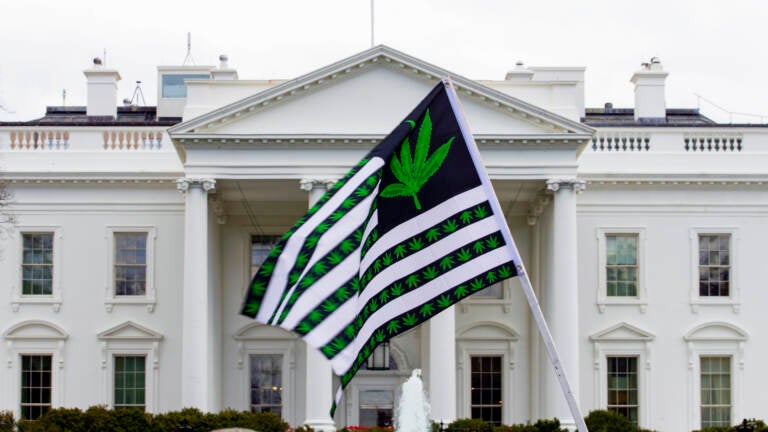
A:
x: 491, y: 293
x: 174, y: 87
x: 36, y: 385
x: 485, y: 390
x: 130, y: 382
x: 715, y: 391
x: 376, y: 408
x: 621, y: 265
x: 130, y: 264
x: 622, y: 386
x: 260, y: 248
x: 267, y: 383
x: 714, y: 265
x: 37, y: 264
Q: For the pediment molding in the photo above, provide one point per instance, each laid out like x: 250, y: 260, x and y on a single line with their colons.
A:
x: 35, y: 330
x: 260, y: 331
x: 622, y: 332
x: 379, y: 55
x: 487, y: 330
x: 716, y: 331
x: 129, y: 330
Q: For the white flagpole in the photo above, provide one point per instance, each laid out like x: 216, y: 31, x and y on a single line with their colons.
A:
x: 533, y: 303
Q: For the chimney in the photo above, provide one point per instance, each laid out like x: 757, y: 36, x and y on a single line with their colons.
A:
x: 650, y: 104
x: 102, y: 90
x: 519, y: 73
x: 224, y: 72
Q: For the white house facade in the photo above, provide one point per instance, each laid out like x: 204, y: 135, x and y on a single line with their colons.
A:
x: 138, y: 228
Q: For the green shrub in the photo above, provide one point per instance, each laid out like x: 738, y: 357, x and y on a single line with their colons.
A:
x: 6, y: 421
x: 63, y: 420
x: 469, y: 425
x: 608, y: 421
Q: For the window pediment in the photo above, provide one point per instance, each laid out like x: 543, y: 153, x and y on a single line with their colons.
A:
x: 716, y: 331
x: 259, y: 331
x: 35, y: 330
x: 622, y: 332
x: 488, y: 331
x: 129, y: 330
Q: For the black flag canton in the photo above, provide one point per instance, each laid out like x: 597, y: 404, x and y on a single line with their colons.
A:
x: 440, y: 164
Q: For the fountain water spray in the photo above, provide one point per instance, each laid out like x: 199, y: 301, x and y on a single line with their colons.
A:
x: 413, y: 411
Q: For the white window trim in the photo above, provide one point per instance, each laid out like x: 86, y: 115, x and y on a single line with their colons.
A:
x: 504, y: 347
x: 54, y: 300
x: 130, y: 339
x: 734, y: 299
x: 50, y: 341
x: 623, y: 340
x: 603, y: 300
x: 257, y: 339
x: 505, y: 301
x: 702, y: 341
x: 149, y: 299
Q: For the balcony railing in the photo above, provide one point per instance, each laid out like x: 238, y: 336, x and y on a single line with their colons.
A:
x: 116, y: 139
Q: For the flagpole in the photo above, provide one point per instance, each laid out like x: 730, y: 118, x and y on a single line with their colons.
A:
x: 533, y: 302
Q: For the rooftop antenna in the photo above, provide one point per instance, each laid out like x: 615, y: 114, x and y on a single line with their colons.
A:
x: 189, y: 57
x: 105, y: 57
x: 138, y: 96
x: 63, y: 97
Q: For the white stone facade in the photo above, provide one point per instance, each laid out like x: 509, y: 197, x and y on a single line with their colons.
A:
x: 247, y: 158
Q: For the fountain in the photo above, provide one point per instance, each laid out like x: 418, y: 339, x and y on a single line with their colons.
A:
x: 413, y: 410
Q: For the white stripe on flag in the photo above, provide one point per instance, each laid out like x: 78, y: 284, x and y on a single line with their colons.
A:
x: 313, y: 297
x: 279, y: 279
x: 330, y: 240
x: 427, y: 255
x: 421, y: 222
x: 326, y: 331
x: 344, y: 360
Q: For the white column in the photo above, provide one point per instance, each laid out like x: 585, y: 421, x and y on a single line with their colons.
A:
x: 319, y: 384
x: 562, y: 308
x: 197, y: 387
x: 438, y: 347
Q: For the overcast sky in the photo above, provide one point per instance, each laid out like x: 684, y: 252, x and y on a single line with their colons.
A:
x: 715, y: 48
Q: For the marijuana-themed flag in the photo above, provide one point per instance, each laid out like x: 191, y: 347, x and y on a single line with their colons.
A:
x: 412, y: 229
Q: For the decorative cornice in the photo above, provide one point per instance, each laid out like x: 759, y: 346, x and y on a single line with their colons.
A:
x: 368, y: 140
x: 207, y: 184
x: 555, y: 184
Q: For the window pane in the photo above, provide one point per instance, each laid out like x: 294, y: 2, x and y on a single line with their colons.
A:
x: 35, y: 385
x: 621, y: 265
x: 174, y: 87
x: 714, y: 264
x: 376, y: 408
x: 486, y: 388
x: 715, y: 395
x: 266, y: 383
x: 130, y: 382
x: 622, y: 386
x: 261, y: 246
x: 37, y: 264
x: 130, y: 263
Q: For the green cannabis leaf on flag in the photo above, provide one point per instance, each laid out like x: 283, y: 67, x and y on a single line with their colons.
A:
x: 414, y: 171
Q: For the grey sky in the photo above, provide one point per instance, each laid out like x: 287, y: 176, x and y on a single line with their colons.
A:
x: 714, y: 48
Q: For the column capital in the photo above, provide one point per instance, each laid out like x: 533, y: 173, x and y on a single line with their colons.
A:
x: 308, y: 184
x: 207, y: 184
x: 573, y: 183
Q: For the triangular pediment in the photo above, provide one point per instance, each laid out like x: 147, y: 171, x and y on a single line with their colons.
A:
x: 35, y: 330
x: 129, y: 331
x: 716, y: 331
x: 622, y: 332
x: 367, y: 95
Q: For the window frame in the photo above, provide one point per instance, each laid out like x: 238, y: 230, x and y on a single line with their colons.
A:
x: 734, y: 298
x: 608, y: 406
x: 115, y: 356
x: 130, y: 339
x: 603, y: 299
x: 149, y: 299
x: 624, y: 340
x: 54, y: 299
x: 45, y: 338
x: 21, y: 389
x: 715, y: 339
x: 730, y: 388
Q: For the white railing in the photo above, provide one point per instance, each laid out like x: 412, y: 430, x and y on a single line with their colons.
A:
x: 620, y: 141
x: 34, y: 139
x: 132, y: 140
x: 718, y: 142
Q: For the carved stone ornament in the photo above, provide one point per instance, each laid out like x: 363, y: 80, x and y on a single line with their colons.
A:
x: 555, y: 184
x: 207, y: 184
x: 308, y: 184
